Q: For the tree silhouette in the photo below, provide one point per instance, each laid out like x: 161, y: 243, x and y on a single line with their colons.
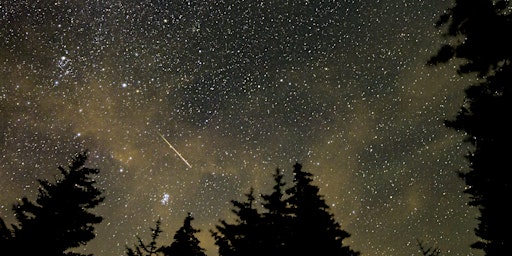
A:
x: 276, y: 220
x: 185, y: 242
x: 59, y: 219
x: 478, y: 31
x: 142, y: 249
x: 314, y: 229
x: 244, y: 237
x: 296, y: 222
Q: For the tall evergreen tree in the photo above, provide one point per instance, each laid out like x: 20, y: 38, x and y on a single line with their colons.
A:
x: 149, y: 249
x: 277, y: 231
x: 274, y: 202
x: 295, y: 221
x: 185, y: 242
x: 478, y: 33
x: 276, y: 220
x: 60, y: 218
x: 314, y: 229
x: 244, y: 237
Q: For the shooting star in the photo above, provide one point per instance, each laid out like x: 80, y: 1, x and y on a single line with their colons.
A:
x: 176, y: 151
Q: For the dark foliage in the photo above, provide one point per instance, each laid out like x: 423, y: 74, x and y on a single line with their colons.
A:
x: 314, y: 229
x: 245, y: 236
x: 480, y: 29
x: 296, y: 221
x: 143, y: 249
x: 185, y: 242
x: 276, y: 222
x: 59, y: 219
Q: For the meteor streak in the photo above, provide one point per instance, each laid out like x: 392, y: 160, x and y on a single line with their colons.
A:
x: 176, y: 151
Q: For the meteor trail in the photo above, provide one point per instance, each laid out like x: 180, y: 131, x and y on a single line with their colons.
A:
x: 178, y: 153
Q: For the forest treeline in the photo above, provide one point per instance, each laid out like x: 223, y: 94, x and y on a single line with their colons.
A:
x: 295, y: 219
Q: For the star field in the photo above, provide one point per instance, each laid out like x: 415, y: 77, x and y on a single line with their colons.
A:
x: 239, y: 88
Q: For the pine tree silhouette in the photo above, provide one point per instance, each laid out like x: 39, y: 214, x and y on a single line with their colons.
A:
x: 296, y: 222
x: 185, y: 242
x: 484, y: 25
x: 276, y: 220
x: 314, y: 229
x: 244, y: 237
x: 150, y: 249
x: 59, y: 219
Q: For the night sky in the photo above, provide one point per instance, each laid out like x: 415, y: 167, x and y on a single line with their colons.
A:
x: 238, y: 88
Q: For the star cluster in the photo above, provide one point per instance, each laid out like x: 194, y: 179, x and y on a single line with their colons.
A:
x: 239, y: 88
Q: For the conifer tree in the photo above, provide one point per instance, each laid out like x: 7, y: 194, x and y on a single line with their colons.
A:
x: 295, y: 221
x: 274, y: 202
x: 60, y: 218
x: 185, y: 242
x: 245, y: 235
x: 478, y: 33
x: 150, y: 249
x: 314, y: 229
x: 276, y: 220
